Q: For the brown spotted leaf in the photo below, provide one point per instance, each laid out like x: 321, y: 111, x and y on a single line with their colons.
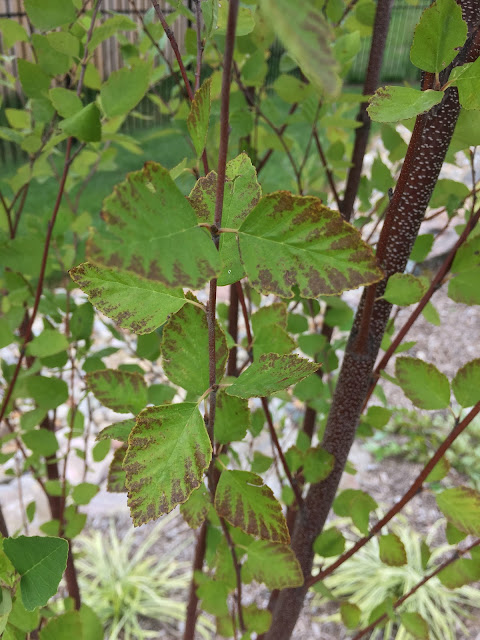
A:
x: 289, y: 241
x: 168, y: 452
x: 245, y: 502
x: 197, y: 119
x: 121, y: 391
x: 151, y: 230
x: 270, y: 373
x: 195, y: 509
x: 132, y: 302
x: 273, y: 564
x: 185, y: 349
x: 117, y: 431
x: 242, y: 192
x: 116, y: 473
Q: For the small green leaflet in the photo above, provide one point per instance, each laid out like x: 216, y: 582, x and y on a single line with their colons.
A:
x: 268, y: 325
x: 242, y: 192
x: 245, y: 502
x: 185, y: 349
x: 392, y: 551
x: 41, y: 562
x: 270, y: 373
x: 124, y: 89
x: 306, y: 35
x: 440, y: 32
x: 121, y: 391
x: 392, y: 104
x: 130, y: 301
x: 439, y: 471
x: 118, y: 431
x: 404, y: 289
x: 168, y: 452
x: 329, y: 543
x: 66, y: 625
x: 466, y: 384
x: 350, y: 614
x: 467, y: 79
x: 462, y: 571
x: 273, y: 564
x: 46, y: 15
x: 465, y: 286
x: 461, y: 507
x: 357, y: 505
x: 151, y: 230
x: 423, y: 383
x: 232, y: 418
x: 197, y: 119
x: 48, y: 343
x: 295, y: 240
x: 210, y: 15
x: 84, y: 125
x: 415, y: 624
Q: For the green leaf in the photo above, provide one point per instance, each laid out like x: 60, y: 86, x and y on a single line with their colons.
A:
x: 81, y: 321
x: 462, y: 571
x: 92, y: 628
x: 130, y: 301
x: 270, y: 373
x: 415, y: 624
x: 466, y: 384
x: 392, y: 104
x: 350, y: 614
x: 440, y: 32
x: 41, y: 441
x: 260, y: 462
x: 404, y: 289
x: 34, y: 81
x: 465, y: 287
x: 48, y: 343
x: 197, y: 119
x: 317, y: 464
x: 160, y: 394
x: 305, y: 34
x: 84, y: 125
x: 185, y: 349
x: 423, y: 244
x: 273, y: 564
x: 121, y: 391
x: 210, y: 15
x: 12, y: 32
x: 168, y: 452
x: 67, y: 625
x: 100, y: 450
x: 118, y: 431
x: 116, y: 480
x: 245, y: 502
x: 461, y: 507
x: 439, y: 471
x: 41, y: 562
x: 329, y: 543
x: 242, y: 192
x: 357, y: 505
x: 232, y: 418
x: 48, y: 393
x: 467, y: 79
x: 431, y: 315
x: 392, y: 551
x: 124, y: 89
x: 294, y: 240
x: 109, y: 28
x: 50, y: 60
x: 64, y: 42
x: 196, y: 508
x: 272, y: 315
x: 214, y: 594
x: 84, y: 492
x: 453, y: 535
x: 423, y: 383
x: 152, y: 231
x: 49, y: 14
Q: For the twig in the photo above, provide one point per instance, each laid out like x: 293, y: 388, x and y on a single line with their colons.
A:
x: 238, y: 573
x: 328, y: 171
x: 268, y: 154
x: 198, y: 29
x: 416, y: 486
x: 400, y: 601
x: 191, y: 613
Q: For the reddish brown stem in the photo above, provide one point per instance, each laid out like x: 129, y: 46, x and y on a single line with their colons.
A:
x: 233, y: 330
x: 191, y: 614
x: 238, y: 573
x: 328, y: 171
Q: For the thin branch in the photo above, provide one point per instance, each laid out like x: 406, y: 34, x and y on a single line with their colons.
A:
x: 238, y: 573
x: 191, y: 612
x: 400, y: 601
x: 268, y: 154
x: 414, y: 489
x: 346, y: 11
x: 328, y: 171
x: 153, y: 41
x: 200, y: 46
x: 173, y: 41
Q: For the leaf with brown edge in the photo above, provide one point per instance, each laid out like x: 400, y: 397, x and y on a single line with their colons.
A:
x: 196, y: 508
x: 185, y: 349
x: 116, y: 474
x: 197, y: 119
x: 168, y: 453
x: 273, y: 564
x: 270, y: 373
x: 292, y: 240
x: 246, y: 502
x: 132, y: 302
x: 120, y: 391
x: 150, y: 229
x: 392, y: 550
x: 118, y: 431
x: 242, y: 192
